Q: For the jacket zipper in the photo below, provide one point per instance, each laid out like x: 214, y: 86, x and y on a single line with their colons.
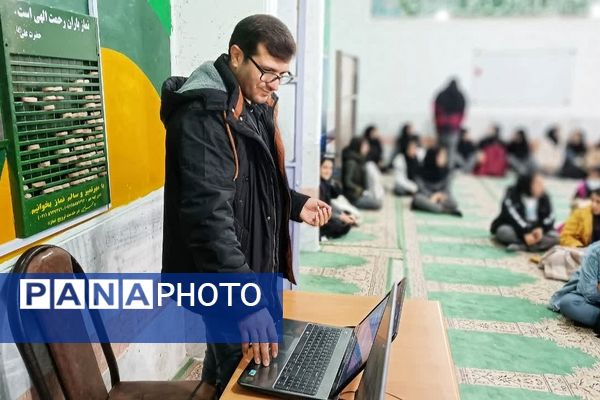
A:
x: 275, y: 226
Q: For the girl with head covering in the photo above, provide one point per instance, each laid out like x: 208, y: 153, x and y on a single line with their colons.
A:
x: 574, y: 165
x: 583, y: 226
x: 406, y: 168
x: 519, y: 153
x: 375, y: 155
x: 433, y: 181
x: 526, y: 220
x: 548, y: 152
x: 407, y: 133
x: 360, y: 187
x: 466, y: 157
x: 491, y: 158
x: 340, y: 222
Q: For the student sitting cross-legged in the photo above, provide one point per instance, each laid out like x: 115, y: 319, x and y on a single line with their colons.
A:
x: 433, y: 181
x: 361, y: 179
x: 579, y: 298
x: 526, y: 221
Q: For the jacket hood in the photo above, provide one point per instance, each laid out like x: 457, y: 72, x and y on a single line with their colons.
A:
x: 212, y: 83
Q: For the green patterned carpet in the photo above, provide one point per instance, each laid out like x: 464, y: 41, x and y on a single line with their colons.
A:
x: 505, y: 343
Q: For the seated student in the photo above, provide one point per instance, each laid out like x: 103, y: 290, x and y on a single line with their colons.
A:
x: 406, y: 168
x: 491, y: 159
x: 467, y: 152
x: 575, y: 152
x: 583, y: 226
x: 526, y: 221
x: 579, y: 298
x: 361, y: 184
x: 519, y: 157
x: 375, y: 155
x: 407, y: 132
x: 433, y: 181
x: 584, y: 189
x: 549, y: 151
x: 340, y: 222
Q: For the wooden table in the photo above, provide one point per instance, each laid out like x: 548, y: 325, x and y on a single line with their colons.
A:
x: 421, y: 365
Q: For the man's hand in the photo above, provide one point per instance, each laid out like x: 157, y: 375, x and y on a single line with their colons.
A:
x: 315, y: 212
x: 259, y: 334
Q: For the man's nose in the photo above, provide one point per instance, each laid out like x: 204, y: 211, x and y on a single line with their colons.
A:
x: 273, y: 85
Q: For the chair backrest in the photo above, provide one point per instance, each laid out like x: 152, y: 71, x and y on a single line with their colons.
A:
x: 58, y: 370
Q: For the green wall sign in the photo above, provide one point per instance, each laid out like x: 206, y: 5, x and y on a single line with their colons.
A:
x: 53, y: 115
x: 480, y: 8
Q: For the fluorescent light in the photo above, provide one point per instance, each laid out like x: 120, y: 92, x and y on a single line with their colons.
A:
x: 442, y: 15
x: 595, y: 11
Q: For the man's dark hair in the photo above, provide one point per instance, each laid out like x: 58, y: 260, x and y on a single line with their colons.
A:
x: 266, y: 29
x: 595, y: 192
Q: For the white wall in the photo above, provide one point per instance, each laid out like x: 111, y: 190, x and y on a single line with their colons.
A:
x: 404, y: 62
x: 201, y: 29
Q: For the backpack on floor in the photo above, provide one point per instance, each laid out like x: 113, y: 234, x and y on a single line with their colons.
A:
x: 561, y: 262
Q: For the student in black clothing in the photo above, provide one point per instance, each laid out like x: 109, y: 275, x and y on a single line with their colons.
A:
x: 361, y: 190
x: 406, y: 133
x: 467, y: 152
x: 574, y: 165
x: 519, y: 153
x: 434, y: 181
x: 375, y: 154
x: 340, y: 222
x: 526, y: 221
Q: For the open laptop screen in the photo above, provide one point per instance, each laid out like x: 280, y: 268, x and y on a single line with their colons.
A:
x: 373, y: 382
x: 365, y: 336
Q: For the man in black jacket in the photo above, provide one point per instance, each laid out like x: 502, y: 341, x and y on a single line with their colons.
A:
x: 227, y: 200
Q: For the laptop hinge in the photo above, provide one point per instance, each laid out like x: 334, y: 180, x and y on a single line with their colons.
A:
x: 345, y: 359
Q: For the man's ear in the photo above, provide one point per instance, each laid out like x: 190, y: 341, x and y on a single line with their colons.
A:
x: 236, y: 55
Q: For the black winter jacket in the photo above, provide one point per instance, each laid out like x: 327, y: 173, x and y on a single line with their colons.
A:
x: 227, y: 199
x: 513, y: 214
x: 354, y: 176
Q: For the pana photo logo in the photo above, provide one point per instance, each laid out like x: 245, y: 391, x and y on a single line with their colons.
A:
x: 132, y: 294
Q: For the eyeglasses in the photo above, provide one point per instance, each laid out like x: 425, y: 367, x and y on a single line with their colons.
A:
x: 270, y: 77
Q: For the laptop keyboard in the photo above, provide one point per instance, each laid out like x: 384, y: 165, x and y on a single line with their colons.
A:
x: 306, y: 367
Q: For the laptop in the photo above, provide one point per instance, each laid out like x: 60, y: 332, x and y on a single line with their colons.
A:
x: 317, y: 361
x: 373, y: 382
x: 399, y: 303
